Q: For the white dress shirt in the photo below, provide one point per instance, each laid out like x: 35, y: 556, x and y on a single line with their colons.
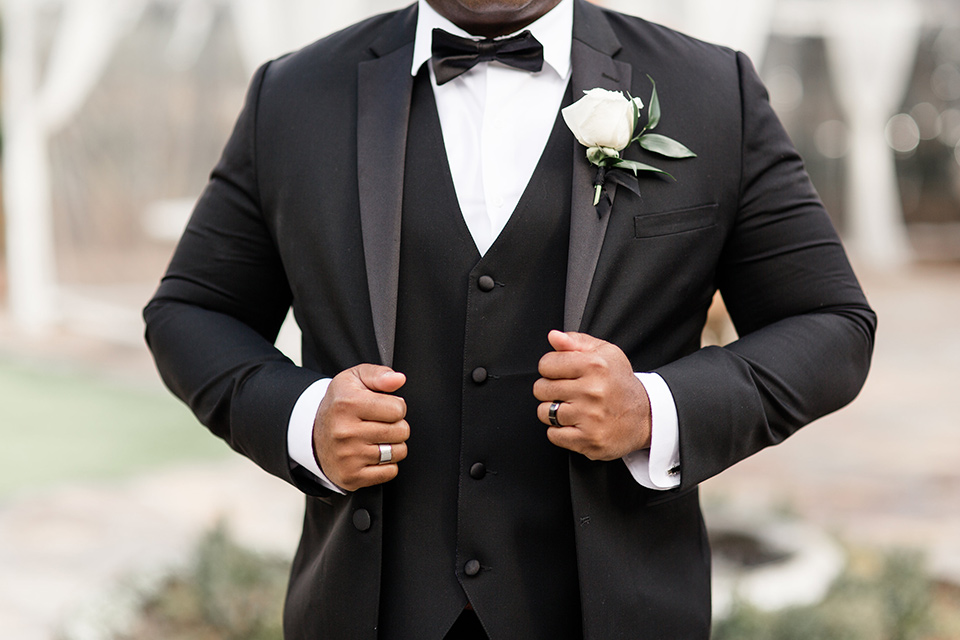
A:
x: 496, y: 121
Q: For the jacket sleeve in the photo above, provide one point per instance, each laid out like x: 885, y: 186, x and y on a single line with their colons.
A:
x: 212, y: 322
x: 806, y: 330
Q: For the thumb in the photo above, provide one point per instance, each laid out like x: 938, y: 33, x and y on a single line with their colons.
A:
x: 379, y: 378
x: 572, y: 341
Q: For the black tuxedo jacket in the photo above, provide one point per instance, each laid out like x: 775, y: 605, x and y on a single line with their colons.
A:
x: 304, y: 209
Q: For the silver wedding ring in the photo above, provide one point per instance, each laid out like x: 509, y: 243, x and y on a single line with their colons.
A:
x: 552, y: 413
x: 386, y: 453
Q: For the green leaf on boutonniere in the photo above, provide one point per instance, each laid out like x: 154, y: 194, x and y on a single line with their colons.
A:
x: 634, y: 166
x: 653, y: 111
x: 606, y: 123
x: 636, y: 116
x: 665, y: 146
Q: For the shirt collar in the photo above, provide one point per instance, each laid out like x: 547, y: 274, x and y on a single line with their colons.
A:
x: 554, y: 30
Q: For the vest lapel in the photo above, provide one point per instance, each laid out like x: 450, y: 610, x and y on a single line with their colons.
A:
x: 594, y: 44
x: 384, y: 91
x: 385, y: 87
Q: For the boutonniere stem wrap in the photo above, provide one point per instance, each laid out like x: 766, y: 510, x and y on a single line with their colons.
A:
x: 606, y: 122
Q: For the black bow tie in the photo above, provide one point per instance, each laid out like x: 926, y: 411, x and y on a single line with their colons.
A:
x: 453, y: 55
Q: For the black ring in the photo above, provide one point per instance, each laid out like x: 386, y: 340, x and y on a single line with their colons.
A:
x: 552, y: 413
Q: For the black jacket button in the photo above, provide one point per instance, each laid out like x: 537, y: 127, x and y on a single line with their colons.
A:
x: 479, y: 375
x: 486, y: 283
x: 472, y: 567
x: 478, y: 471
x: 362, y: 520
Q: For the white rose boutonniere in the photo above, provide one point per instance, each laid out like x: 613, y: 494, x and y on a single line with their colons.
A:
x: 602, y: 120
x: 605, y: 122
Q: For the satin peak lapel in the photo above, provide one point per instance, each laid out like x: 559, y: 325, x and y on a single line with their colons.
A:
x: 594, y: 45
x: 384, y: 92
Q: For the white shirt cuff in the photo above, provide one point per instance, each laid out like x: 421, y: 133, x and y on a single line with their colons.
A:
x: 658, y: 467
x: 300, y: 431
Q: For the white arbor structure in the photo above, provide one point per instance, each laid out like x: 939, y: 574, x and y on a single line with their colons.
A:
x: 50, y: 71
x: 37, y: 102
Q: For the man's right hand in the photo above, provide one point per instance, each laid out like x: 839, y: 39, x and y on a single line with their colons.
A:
x: 355, y: 417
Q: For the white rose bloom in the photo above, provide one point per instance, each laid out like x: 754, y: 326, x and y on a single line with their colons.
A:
x: 602, y: 118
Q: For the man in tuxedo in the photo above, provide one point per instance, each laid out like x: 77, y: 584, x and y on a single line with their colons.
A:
x: 504, y: 412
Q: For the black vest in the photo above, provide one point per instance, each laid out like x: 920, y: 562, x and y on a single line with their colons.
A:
x: 480, y: 512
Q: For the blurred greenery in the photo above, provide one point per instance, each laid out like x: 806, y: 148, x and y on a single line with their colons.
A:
x: 881, y: 596
x: 59, y: 426
x: 229, y: 593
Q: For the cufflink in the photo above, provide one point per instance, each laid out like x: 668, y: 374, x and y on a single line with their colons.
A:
x: 674, y: 471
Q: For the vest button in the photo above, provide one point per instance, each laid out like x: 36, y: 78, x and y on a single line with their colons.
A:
x: 478, y: 471
x: 479, y: 375
x: 486, y: 283
x: 362, y: 520
x: 472, y: 568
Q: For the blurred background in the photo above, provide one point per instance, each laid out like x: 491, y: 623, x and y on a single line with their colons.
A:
x: 114, y: 111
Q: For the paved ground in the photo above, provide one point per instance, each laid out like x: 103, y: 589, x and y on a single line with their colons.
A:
x: 70, y: 556
x: 885, y: 470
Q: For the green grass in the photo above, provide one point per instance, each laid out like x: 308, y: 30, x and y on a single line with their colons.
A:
x: 58, y: 427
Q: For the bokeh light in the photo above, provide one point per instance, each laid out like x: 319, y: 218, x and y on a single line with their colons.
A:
x: 903, y: 134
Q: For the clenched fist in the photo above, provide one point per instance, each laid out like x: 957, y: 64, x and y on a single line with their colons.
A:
x: 604, y: 410
x: 356, y: 416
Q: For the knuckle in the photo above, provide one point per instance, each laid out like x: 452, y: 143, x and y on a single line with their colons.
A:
x: 593, y: 449
x: 342, y: 459
x: 597, y: 440
x: 338, y: 432
x: 348, y: 403
x: 545, y: 366
x: 350, y: 479
x: 589, y: 436
x: 594, y: 391
x: 594, y: 362
x: 335, y: 408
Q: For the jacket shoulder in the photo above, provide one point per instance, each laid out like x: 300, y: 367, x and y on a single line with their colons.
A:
x: 640, y: 37
x: 341, y: 52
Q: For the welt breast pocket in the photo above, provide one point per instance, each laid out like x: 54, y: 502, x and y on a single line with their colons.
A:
x: 665, y: 223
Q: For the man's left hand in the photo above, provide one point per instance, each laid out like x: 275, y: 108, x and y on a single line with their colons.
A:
x: 604, y: 412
